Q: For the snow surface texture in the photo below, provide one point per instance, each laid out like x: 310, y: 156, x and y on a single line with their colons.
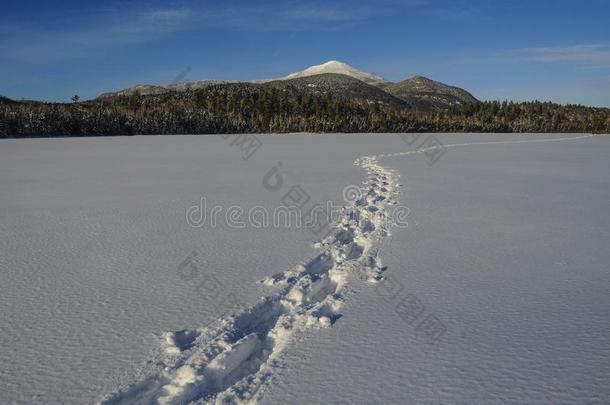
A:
x: 243, y: 356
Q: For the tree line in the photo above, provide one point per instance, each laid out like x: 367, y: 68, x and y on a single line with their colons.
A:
x: 247, y: 108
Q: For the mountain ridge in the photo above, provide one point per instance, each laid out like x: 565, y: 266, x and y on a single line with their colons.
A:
x: 418, y: 92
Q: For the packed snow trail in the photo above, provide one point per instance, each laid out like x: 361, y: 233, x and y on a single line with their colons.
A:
x: 230, y: 360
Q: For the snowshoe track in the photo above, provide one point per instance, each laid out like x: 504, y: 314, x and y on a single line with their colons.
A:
x: 229, y: 361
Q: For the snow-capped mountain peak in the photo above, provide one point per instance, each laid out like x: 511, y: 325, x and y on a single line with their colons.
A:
x: 335, y: 66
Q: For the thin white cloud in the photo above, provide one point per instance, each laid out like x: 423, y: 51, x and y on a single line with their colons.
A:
x: 296, y: 15
x: 99, y: 31
x: 88, y: 36
x: 585, y: 54
x: 316, y: 13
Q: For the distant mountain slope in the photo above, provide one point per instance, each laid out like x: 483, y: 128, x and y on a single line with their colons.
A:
x: 435, y: 95
x: 6, y: 100
x: 337, y: 67
x: 147, y: 89
x: 341, y: 87
x: 142, y: 89
x: 197, y: 84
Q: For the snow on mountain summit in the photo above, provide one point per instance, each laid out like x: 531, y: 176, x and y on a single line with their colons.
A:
x: 335, y: 66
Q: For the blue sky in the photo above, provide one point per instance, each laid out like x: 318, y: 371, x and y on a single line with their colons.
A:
x: 556, y: 50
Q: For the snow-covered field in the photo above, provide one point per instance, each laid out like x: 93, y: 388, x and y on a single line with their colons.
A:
x: 496, y: 292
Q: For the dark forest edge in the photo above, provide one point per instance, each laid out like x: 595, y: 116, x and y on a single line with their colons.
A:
x: 237, y: 108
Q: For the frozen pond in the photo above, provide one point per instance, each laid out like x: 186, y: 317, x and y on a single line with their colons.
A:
x: 497, y: 291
